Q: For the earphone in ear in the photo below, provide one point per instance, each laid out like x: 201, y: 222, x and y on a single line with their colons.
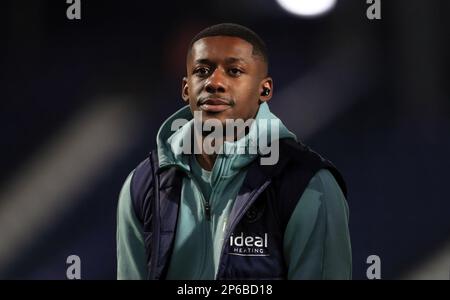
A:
x: 265, y: 92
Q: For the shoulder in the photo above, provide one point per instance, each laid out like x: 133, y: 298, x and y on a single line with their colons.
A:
x: 303, y: 161
x: 142, y: 172
x: 325, y: 183
x: 327, y: 190
x: 125, y: 190
x: 124, y: 206
x: 322, y: 202
x: 133, y: 188
x: 324, y: 190
x: 139, y: 184
x: 321, y: 197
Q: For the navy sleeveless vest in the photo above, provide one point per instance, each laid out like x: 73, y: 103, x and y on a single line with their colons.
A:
x: 253, y: 242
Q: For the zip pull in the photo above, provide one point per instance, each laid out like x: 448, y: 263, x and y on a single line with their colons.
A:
x: 208, y: 211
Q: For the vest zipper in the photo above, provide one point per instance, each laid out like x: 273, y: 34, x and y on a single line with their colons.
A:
x: 205, y: 202
x: 207, y: 210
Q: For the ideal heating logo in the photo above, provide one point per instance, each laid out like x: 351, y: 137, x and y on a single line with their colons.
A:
x: 249, y: 245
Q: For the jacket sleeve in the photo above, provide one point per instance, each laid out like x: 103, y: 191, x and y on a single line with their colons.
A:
x: 131, y: 261
x: 317, y: 239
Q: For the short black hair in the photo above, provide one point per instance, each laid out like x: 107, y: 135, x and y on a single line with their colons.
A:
x: 234, y: 30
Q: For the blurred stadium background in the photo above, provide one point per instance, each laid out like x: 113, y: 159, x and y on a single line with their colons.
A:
x: 82, y: 100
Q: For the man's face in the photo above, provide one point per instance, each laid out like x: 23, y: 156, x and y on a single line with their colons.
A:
x: 225, y: 79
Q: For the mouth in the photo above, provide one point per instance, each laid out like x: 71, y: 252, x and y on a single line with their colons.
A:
x: 214, y: 105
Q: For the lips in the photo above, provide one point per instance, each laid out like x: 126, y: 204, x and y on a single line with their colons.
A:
x: 214, y: 105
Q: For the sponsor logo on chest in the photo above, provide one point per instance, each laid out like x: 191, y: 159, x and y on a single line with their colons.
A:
x: 249, y: 245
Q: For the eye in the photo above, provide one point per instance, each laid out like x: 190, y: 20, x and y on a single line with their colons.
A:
x: 235, y: 72
x: 201, y: 71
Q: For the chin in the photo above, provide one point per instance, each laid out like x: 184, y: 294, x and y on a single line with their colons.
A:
x: 221, y: 116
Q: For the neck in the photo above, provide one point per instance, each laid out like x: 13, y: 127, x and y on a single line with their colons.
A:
x: 206, y: 161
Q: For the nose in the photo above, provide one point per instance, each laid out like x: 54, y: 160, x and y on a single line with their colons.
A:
x: 216, y: 82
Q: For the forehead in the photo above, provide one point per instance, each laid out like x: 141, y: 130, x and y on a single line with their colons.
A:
x: 219, y: 47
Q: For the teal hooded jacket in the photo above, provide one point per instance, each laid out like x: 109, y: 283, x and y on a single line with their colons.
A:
x: 316, y: 240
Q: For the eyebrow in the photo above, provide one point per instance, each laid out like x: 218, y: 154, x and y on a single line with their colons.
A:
x: 228, y: 60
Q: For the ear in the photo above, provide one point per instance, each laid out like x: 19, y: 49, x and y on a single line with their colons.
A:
x: 266, y: 89
x: 185, y: 90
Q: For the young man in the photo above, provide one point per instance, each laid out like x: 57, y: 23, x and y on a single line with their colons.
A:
x: 226, y: 213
